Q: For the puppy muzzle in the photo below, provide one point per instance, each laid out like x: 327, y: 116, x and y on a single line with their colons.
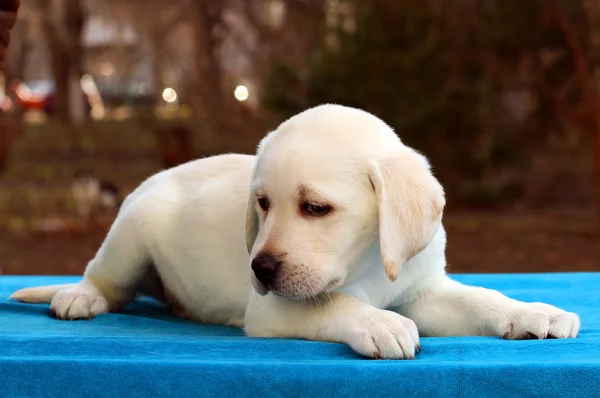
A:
x: 260, y: 288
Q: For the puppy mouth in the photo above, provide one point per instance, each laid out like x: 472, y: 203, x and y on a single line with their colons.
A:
x: 260, y: 287
x: 334, y: 283
x: 299, y: 293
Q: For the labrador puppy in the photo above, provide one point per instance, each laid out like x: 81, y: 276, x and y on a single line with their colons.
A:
x: 333, y: 232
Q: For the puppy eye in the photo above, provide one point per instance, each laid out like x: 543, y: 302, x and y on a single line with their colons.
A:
x: 315, y: 209
x: 263, y: 203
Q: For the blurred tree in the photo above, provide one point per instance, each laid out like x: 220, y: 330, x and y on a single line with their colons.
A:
x: 570, y: 86
x: 258, y: 30
x: 63, y: 22
x: 8, y: 17
x: 216, y: 45
x: 212, y: 100
x: 454, y: 79
x: 201, y: 27
x: 425, y: 69
x: 155, y: 24
x: 287, y: 38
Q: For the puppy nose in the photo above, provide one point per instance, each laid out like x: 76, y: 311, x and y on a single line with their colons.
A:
x: 265, y: 268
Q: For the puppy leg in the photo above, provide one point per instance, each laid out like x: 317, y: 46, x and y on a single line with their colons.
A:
x: 339, y: 318
x: 110, y: 278
x: 449, y: 308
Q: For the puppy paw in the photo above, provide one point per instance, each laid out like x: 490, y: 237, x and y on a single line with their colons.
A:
x: 79, y: 302
x: 541, y: 321
x: 384, y: 335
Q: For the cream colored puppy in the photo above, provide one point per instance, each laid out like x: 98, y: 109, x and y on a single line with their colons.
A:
x: 343, y: 224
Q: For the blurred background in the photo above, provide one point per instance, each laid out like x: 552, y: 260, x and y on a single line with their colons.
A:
x: 503, y: 96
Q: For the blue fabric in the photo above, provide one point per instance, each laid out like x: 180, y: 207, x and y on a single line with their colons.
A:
x: 145, y: 352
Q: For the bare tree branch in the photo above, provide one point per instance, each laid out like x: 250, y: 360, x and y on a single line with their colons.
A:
x: 581, y: 67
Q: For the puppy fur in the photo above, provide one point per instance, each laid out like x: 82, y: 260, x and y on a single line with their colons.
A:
x: 333, y: 232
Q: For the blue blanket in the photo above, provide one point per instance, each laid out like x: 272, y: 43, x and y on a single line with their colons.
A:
x: 146, y: 351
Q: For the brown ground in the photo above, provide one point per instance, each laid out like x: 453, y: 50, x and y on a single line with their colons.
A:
x: 477, y: 242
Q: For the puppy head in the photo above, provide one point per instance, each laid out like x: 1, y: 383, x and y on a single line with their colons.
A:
x: 330, y: 184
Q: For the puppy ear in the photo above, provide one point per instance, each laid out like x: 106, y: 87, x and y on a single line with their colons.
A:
x: 251, y: 223
x: 410, y: 201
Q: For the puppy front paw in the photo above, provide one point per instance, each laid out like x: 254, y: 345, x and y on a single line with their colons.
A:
x: 384, y: 334
x: 78, y: 302
x: 541, y: 321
